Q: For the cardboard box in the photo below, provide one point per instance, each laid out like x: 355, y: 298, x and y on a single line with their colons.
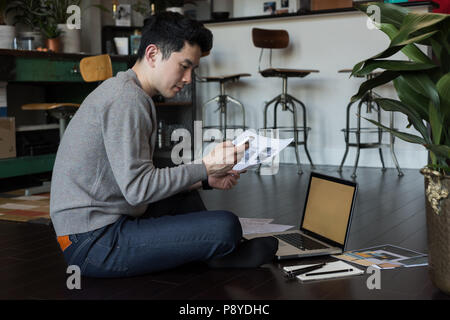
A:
x: 7, y: 138
x: 316, y: 5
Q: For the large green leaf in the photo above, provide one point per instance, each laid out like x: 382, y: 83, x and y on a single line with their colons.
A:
x: 421, y: 82
x: 402, y: 135
x: 443, y: 88
x: 414, y: 22
x: 413, y: 116
x: 439, y: 150
x: 411, y: 50
x: 416, y: 39
x: 385, y: 54
x: 440, y: 48
x: 381, y: 79
x: 435, y: 123
x: 394, y: 65
x: 412, y: 98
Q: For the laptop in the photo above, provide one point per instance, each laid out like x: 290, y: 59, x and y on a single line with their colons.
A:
x: 325, y: 225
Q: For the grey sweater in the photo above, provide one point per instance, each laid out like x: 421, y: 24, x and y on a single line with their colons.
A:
x: 104, y: 166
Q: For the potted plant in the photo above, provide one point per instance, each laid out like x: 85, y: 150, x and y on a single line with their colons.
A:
x: 7, y: 32
x: 423, y: 87
x: 57, y: 10
x: 52, y: 33
x: 27, y: 16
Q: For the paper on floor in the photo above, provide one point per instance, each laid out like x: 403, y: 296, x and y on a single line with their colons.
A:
x: 253, y: 226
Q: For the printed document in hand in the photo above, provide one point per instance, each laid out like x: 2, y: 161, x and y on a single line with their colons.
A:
x: 261, y: 149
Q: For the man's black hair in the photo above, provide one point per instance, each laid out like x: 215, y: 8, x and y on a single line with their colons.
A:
x: 169, y: 31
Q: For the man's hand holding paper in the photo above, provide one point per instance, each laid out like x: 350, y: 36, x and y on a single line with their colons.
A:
x: 260, y: 149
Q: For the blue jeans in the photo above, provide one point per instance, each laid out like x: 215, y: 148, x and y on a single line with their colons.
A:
x: 165, y: 237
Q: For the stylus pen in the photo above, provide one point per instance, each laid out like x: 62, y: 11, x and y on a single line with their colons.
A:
x: 327, y: 272
x: 304, y: 270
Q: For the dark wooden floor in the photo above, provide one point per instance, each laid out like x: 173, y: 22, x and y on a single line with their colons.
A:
x: 389, y: 209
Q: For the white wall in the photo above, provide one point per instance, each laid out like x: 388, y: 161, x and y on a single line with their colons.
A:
x: 328, y: 43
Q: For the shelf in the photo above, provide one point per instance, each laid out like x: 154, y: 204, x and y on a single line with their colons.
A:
x: 310, y: 13
x: 13, y: 167
x: 53, y: 56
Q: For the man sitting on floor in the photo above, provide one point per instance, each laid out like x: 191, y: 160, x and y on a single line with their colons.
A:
x: 117, y: 215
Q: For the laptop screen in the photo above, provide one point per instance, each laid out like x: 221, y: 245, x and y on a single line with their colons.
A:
x: 328, y: 207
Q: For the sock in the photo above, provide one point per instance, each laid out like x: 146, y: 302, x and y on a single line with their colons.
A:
x: 248, y: 254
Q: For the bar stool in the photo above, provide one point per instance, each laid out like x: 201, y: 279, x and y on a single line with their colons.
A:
x: 92, y: 69
x: 222, y: 100
x: 279, y: 39
x: 371, y: 105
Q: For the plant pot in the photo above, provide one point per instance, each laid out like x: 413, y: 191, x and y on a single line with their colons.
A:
x: 54, y: 44
x: 70, y: 38
x: 7, y: 34
x: 438, y: 227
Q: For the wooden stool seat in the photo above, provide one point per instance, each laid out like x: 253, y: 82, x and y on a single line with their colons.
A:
x: 232, y: 77
x: 61, y: 111
x: 290, y: 73
x: 49, y: 106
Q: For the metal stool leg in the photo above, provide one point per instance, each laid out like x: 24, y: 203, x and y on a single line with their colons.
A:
x: 391, y: 145
x: 204, y: 108
x: 357, y: 157
x: 62, y: 126
x: 346, y: 136
x: 383, y: 168
x: 275, y: 108
x: 358, y: 139
x: 266, y: 107
x: 297, y: 156
x: 380, y: 137
x: 305, y: 131
x: 237, y: 102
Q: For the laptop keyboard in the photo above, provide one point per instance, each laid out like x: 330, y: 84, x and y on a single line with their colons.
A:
x: 300, y: 241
